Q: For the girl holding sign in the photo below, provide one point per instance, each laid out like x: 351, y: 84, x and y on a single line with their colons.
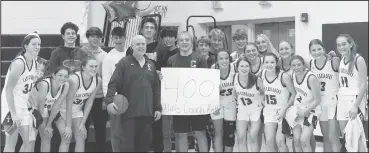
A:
x: 51, y: 93
x: 83, y: 87
x: 279, y: 96
x: 249, y: 96
x: 224, y: 119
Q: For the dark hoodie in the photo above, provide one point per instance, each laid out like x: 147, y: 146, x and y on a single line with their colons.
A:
x: 66, y: 56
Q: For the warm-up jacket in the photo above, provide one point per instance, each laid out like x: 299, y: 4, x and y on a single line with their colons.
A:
x: 141, y: 86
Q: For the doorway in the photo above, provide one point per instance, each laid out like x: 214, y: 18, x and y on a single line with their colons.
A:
x: 277, y: 31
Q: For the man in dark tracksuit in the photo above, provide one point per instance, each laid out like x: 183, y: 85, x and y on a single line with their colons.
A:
x: 149, y: 28
x: 135, y: 77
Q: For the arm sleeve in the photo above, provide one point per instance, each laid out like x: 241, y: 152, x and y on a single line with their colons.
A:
x: 115, y: 82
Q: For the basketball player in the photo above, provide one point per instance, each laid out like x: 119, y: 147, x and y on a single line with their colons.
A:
x: 248, y: 94
x: 51, y: 93
x: 16, y: 111
x: 68, y: 54
x: 240, y: 39
x: 279, y: 96
x: 286, y: 51
x: 224, y: 119
x: 252, y: 55
x: 135, y: 77
x: 353, y: 83
x: 302, y: 116
x: 83, y: 87
x: 327, y: 72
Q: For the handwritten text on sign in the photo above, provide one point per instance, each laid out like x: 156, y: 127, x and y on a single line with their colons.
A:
x: 189, y: 91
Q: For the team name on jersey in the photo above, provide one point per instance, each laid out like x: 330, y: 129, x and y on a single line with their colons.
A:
x: 30, y: 77
x: 345, y: 71
x: 226, y: 85
x: 325, y: 76
x: 271, y: 89
x: 83, y: 95
x: 301, y: 91
x: 245, y: 94
x: 50, y: 101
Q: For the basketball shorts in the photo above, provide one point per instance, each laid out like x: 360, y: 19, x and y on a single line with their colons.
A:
x: 344, y: 105
x: 328, y: 107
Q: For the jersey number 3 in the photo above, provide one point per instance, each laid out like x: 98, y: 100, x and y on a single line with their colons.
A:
x: 27, y: 88
x: 322, y: 88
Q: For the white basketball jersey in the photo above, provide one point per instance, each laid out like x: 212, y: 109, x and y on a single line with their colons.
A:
x: 260, y: 68
x: 24, y: 85
x: 349, y: 82
x: 327, y: 76
x: 304, y: 95
x: 50, y: 99
x: 226, y: 88
x: 276, y: 93
x: 82, y: 93
x: 247, y: 99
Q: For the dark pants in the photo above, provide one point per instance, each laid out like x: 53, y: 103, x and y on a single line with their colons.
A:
x: 137, y: 133
x: 116, y: 133
x: 99, y: 118
x: 157, y: 136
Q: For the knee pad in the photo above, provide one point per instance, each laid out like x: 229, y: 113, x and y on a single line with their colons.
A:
x: 229, y: 128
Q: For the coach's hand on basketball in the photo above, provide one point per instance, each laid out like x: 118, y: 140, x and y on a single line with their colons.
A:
x: 353, y: 112
x: 82, y: 129
x: 112, y: 108
x: 157, y: 115
x: 68, y: 133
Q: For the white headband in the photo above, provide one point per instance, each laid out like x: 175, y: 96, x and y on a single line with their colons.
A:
x: 34, y: 34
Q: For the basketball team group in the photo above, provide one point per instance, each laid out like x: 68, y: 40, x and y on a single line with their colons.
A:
x: 267, y: 94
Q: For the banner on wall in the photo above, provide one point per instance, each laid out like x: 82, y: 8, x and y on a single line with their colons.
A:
x: 189, y: 91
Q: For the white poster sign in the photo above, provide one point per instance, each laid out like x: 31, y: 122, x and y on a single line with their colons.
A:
x: 189, y: 91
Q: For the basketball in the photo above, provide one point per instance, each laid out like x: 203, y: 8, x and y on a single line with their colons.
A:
x: 122, y: 103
